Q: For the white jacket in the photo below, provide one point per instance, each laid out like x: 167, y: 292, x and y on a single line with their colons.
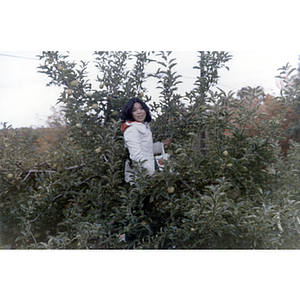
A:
x: 138, y: 139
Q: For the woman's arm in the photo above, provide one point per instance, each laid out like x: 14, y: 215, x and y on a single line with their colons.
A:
x: 158, y: 146
x: 133, y: 142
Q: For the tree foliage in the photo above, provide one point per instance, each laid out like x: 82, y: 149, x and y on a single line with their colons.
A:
x: 226, y: 185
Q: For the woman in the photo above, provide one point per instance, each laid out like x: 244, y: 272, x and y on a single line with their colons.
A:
x: 138, y: 140
x: 138, y: 136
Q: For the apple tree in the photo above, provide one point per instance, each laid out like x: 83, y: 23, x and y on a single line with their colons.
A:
x: 222, y: 188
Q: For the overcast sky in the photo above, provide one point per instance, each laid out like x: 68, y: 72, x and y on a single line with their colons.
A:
x: 26, y: 101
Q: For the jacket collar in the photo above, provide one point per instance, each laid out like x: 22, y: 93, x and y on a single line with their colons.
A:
x: 128, y: 123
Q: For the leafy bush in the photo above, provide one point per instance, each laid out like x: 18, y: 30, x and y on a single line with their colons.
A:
x: 222, y: 188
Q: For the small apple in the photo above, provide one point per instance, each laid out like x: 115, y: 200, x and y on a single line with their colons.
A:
x: 74, y: 82
x: 141, y: 94
x: 10, y: 176
x: 89, y: 94
x: 60, y: 68
x: 171, y: 190
x: 225, y: 153
x: 49, y: 61
x: 98, y: 150
x: 89, y: 133
x: 95, y: 106
x: 69, y: 91
x: 101, y: 86
x: 79, y: 125
x: 243, y: 169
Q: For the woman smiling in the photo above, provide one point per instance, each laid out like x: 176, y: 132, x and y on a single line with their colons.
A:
x: 138, y: 137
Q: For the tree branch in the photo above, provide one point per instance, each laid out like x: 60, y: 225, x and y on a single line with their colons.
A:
x: 191, y: 188
x: 79, y: 184
x: 35, y: 218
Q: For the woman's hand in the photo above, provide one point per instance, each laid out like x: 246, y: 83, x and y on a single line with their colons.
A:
x: 167, y: 141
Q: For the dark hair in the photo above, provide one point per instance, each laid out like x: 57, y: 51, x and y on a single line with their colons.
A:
x: 126, y: 113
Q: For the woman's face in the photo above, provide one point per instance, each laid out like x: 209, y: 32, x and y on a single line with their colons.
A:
x: 138, y: 112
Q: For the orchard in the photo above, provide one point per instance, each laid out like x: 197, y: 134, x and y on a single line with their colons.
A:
x: 227, y: 184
